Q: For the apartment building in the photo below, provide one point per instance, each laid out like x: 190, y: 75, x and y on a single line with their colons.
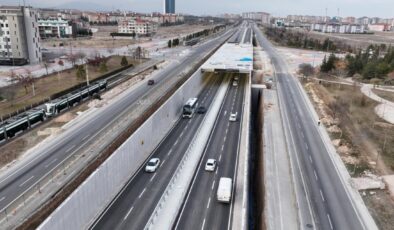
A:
x: 137, y: 26
x: 54, y: 28
x: 263, y: 17
x: 339, y: 28
x: 19, y: 36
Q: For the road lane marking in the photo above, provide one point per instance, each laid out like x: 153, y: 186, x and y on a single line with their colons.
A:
x: 225, y: 112
x: 152, y: 177
x: 85, y: 137
x: 209, y: 202
x: 302, y: 134
x: 224, y: 138
x: 306, y: 145
x: 53, y: 161
x: 220, y: 157
x: 26, y: 181
x: 216, y: 172
x: 314, y: 171
x: 162, y: 163
x: 322, y: 197
x: 142, y: 193
x: 176, y: 142
x: 181, y: 134
x: 310, y: 159
x: 203, y: 224
x: 329, y: 220
x: 222, y: 147
x: 69, y: 149
x: 128, y: 213
x: 2, y: 198
x: 226, y: 130
x: 213, y: 185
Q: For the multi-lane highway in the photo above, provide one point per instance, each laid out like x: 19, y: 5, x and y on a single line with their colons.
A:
x: 16, y: 180
x: 327, y: 200
x: 201, y: 210
x: 134, y: 205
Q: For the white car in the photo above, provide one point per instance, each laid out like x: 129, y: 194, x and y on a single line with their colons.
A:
x: 233, y: 116
x: 236, y: 78
x: 210, y: 165
x: 152, y: 165
x: 235, y: 83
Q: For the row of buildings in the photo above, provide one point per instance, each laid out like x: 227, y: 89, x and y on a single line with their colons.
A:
x: 336, y: 24
x: 262, y: 17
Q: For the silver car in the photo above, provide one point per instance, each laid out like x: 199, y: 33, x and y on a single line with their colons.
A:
x: 152, y: 165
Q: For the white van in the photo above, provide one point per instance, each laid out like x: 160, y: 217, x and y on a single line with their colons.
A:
x: 224, y: 190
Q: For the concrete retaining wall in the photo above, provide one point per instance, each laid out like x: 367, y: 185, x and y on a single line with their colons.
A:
x: 91, y: 198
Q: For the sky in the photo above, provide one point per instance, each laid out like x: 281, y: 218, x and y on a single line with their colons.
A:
x: 357, y: 8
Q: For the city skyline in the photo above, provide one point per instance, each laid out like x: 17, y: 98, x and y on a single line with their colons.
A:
x: 381, y: 8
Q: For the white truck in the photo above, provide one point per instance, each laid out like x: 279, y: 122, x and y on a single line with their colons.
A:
x: 224, y: 190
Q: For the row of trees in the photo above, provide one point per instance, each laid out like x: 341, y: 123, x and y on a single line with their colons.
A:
x: 377, y: 61
x: 173, y: 42
x: 297, y: 39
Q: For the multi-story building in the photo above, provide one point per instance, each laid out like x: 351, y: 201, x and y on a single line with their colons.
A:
x: 379, y: 27
x: 169, y: 6
x: 339, y: 28
x: 137, y: 26
x: 19, y: 36
x: 262, y: 17
x: 54, y: 28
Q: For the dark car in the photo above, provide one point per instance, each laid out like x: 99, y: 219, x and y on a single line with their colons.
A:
x: 151, y: 82
x: 201, y: 110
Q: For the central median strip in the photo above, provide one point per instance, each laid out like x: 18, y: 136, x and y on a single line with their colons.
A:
x: 164, y: 215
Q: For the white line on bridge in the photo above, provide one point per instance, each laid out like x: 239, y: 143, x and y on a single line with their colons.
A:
x: 46, y: 166
x: 26, y: 181
x: 322, y: 197
x: 142, y: 193
x: 329, y: 220
x: 209, y: 202
x: 69, y: 149
x: 153, y: 177
x: 128, y: 213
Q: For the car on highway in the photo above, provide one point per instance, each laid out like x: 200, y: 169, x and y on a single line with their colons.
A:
x: 210, y: 165
x: 151, y: 82
x: 236, y: 78
x: 235, y: 83
x: 233, y: 116
x: 201, y: 110
x: 152, y: 165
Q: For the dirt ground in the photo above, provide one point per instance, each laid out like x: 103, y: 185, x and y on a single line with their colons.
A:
x: 102, y: 38
x: 364, y: 141
x: 44, y: 87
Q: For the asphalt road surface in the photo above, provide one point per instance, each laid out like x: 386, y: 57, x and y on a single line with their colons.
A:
x: 132, y: 208
x: 201, y: 210
x: 330, y: 204
x: 16, y: 181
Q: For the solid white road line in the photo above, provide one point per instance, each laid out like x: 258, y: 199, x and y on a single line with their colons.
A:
x: 26, y: 181
x: 69, y: 149
x: 142, y: 193
x: 128, y: 213
x: 322, y: 197
x: 329, y: 220
x: 152, y: 177
x: 203, y: 224
x: 54, y: 160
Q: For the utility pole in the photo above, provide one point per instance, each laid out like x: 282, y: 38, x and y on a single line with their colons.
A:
x: 87, y: 74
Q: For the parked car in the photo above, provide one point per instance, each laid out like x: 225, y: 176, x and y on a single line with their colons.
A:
x: 201, y: 110
x: 152, y: 165
x: 233, y: 116
x: 210, y: 165
x: 151, y: 82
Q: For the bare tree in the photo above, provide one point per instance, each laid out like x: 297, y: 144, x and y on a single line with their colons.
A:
x: 72, y: 58
x: 81, y: 56
x: 306, y: 69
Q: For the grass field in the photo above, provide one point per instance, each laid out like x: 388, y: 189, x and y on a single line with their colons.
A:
x: 21, y: 97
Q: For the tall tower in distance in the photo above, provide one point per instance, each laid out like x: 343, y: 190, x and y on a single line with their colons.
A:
x: 169, y: 6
